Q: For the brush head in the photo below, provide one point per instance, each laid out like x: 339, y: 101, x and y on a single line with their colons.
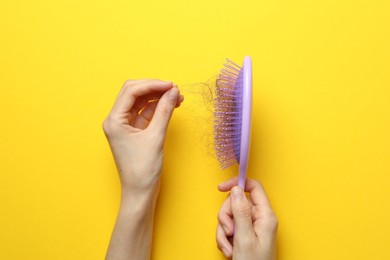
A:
x: 232, y: 113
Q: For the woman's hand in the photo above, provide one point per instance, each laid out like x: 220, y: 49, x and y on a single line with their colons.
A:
x: 255, y: 223
x: 136, y: 129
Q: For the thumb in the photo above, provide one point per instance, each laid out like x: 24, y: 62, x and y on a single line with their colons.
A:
x: 164, y: 110
x: 242, y: 214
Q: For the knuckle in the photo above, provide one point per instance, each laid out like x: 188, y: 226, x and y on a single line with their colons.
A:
x: 220, y: 217
x: 275, y: 223
x: 128, y: 82
x: 244, y: 212
x: 272, y: 222
x: 105, y: 126
x: 258, y: 185
x: 218, y: 241
x: 108, y: 126
x: 128, y: 89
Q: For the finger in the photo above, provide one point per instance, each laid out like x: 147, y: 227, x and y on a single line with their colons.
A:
x: 223, y: 242
x: 143, y: 118
x: 250, y: 201
x: 225, y: 216
x: 144, y: 107
x: 257, y: 193
x: 141, y: 102
x: 148, y: 111
x: 242, y: 214
x: 255, y: 188
x: 181, y: 99
x: 130, y: 82
x: 139, y: 122
x: 130, y: 92
x: 228, y: 185
x: 164, y: 110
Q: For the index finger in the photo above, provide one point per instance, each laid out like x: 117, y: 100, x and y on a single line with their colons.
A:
x: 257, y: 193
x: 133, y: 89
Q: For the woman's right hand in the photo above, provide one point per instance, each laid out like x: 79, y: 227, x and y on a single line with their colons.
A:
x: 255, y: 223
x: 136, y: 129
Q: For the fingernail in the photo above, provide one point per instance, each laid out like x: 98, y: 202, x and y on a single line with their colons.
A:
x: 172, y: 95
x: 237, y: 193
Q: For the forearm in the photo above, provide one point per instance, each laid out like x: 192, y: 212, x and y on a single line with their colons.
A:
x: 132, y: 235
x: 136, y: 129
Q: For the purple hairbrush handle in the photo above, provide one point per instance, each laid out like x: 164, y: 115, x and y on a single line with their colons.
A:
x: 246, y: 121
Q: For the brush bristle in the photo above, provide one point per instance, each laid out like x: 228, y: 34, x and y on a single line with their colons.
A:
x: 228, y: 114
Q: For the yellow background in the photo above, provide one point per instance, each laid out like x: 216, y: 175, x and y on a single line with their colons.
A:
x: 320, y: 141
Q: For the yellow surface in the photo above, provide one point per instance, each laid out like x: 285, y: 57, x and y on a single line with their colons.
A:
x: 321, y: 127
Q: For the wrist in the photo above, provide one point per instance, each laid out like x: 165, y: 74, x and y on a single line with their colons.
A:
x: 139, y: 202
x: 139, y: 181
x: 134, y: 225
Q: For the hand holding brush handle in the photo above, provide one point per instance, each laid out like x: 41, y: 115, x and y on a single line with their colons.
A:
x: 255, y: 223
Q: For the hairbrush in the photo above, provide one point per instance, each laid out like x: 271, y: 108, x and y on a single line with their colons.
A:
x: 232, y: 116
